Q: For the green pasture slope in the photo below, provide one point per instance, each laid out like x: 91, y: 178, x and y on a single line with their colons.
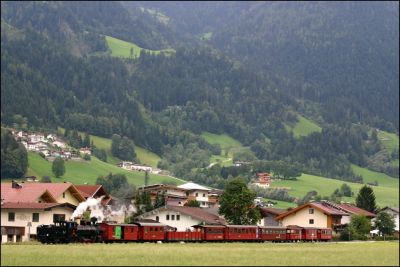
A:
x: 386, y: 194
x: 389, y: 140
x: 203, y: 254
x: 120, y: 48
x: 80, y: 172
x: 145, y: 156
x: 229, y: 147
x: 303, y: 127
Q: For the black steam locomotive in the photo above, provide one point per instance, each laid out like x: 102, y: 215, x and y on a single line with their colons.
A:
x: 69, y: 232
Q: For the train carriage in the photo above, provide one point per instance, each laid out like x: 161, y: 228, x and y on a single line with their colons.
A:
x: 309, y: 234
x: 241, y: 233
x: 113, y: 232
x: 184, y: 236
x: 272, y: 233
x: 151, y: 231
x: 211, y: 232
x: 293, y: 233
x: 324, y: 234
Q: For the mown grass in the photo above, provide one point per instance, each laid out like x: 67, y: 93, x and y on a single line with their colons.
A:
x: 372, y: 176
x: 303, y: 127
x: 389, y: 140
x: 120, y: 48
x: 80, y: 172
x: 205, y: 254
x: 385, y: 195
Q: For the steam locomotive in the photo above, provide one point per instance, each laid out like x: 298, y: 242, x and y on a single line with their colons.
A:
x: 108, y: 232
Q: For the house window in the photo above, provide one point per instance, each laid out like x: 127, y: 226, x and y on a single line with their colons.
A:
x: 157, y: 219
x: 172, y: 217
x: 64, y: 195
x: 311, y: 221
x: 11, y: 216
x: 197, y: 194
x: 310, y: 211
x: 167, y: 217
x: 58, y: 217
x: 204, y: 195
x: 178, y: 217
x: 35, y: 217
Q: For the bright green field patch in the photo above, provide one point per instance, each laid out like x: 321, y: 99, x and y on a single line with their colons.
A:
x: 224, y: 140
x: 385, y: 196
x: 120, y: 48
x: 221, y: 160
x: 147, y: 157
x: 206, y: 36
x: 79, y: 172
x: 206, y: 254
x: 372, y: 176
x: 303, y: 127
x: 389, y: 140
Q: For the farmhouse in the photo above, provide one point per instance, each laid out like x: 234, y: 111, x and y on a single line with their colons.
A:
x: 350, y: 210
x: 85, y: 150
x: 263, y: 180
x: 312, y: 214
x: 174, y: 195
x: 198, y: 193
x: 394, y: 211
x: 182, y: 218
x: 24, y: 206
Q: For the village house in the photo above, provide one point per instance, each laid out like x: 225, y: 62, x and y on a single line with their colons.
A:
x: 263, y: 180
x: 182, y: 218
x: 59, y: 143
x: 198, y: 193
x: 139, y: 167
x: 312, y: 214
x: 174, y: 195
x: 36, y: 137
x: 85, y: 150
x: 24, y: 206
x: 350, y: 210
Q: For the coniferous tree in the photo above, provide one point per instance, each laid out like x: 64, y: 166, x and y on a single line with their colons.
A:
x: 366, y: 199
x: 58, y: 167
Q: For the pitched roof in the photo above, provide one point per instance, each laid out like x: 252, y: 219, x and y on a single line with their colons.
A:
x: 88, y: 190
x: 193, y: 186
x: 198, y: 213
x: 325, y: 209
x: 30, y: 192
x: 395, y: 209
x: 32, y: 205
x: 273, y: 211
x: 356, y: 210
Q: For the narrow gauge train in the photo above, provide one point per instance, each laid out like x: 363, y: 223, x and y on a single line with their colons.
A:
x: 66, y: 232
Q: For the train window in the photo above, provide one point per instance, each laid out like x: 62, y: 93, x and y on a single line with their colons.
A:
x: 155, y: 229
x: 311, y: 221
x: 247, y: 231
x: 145, y: 230
x: 151, y: 229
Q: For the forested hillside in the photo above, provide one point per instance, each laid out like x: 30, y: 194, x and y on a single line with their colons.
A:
x: 57, y: 71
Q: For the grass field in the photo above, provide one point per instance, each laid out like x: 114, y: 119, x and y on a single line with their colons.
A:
x: 385, y: 195
x: 303, y: 127
x: 205, y: 254
x: 120, y: 48
x: 87, y: 172
x: 372, y: 176
x: 145, y: 156
x: 389, y: 140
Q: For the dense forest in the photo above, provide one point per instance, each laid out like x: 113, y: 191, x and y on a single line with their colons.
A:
x: 56, y: 72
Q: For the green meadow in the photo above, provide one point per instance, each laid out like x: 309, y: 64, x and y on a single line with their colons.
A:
x: 120, y: 48
x: 80, y: 172
x: 387, y: 194
x: 389, y: 140
x: 203, y: 254
x: 303, y: 127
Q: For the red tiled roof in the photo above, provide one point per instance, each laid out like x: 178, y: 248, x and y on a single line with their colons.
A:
x: 30, y: 192
x: 32, y: 205
x: 198, y: 213
x: 356, y: 210
x: 88, y: 190
x: 325, y: 209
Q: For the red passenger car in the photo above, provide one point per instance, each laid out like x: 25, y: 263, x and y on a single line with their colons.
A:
x: 183, y: 236
x: 113, y: 232
x: 293, y: 233
x: 211, y: 232
x: 324, y: 234
x: 309, y: 234
x: 151, y: 231
x: 272, y: 233
x: 241, y: 232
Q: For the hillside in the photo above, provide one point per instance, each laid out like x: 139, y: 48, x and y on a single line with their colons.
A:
x: 120, y: 48
x: 303, y: 127
x: 87, y: 172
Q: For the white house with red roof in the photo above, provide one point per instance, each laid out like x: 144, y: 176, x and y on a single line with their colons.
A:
x: 24, y: 206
